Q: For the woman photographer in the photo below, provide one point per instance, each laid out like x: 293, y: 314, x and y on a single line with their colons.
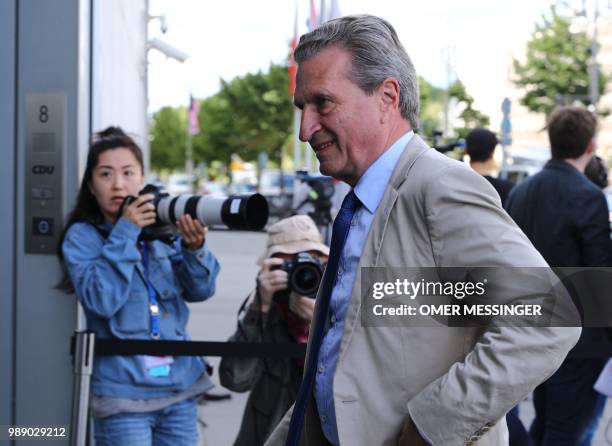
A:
x: 274, y: 314
x: 131, y: 288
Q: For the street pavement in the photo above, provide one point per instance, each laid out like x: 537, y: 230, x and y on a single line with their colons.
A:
x: 215, y: 320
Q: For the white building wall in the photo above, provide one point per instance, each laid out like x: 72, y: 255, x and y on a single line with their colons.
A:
x: 119, y: 88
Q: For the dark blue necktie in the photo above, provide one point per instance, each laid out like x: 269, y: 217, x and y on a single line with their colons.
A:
x: 342, y: 224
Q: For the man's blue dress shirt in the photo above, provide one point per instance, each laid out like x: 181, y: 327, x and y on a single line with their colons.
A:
x: 369, y: 189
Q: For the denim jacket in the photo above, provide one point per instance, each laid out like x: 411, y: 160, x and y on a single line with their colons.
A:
x: 108, y: 276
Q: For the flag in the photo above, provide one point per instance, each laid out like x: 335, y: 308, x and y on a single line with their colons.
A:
x: 192, y: 117
x: 292, y: 65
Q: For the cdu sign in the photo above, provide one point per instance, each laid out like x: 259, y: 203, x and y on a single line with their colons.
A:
x: 41, y: 169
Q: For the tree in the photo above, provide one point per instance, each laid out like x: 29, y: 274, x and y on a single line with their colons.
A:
x: 254, y: 113
x: 471, y: 117
x: 432, y: 108
x: 168, y: 138
x: 250, y: 114
x: 556, y: 66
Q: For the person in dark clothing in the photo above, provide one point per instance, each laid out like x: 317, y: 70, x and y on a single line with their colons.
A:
x: 566, y: 218
x: 273, y: 314
x: 480, y: 145
x: 597, y: 172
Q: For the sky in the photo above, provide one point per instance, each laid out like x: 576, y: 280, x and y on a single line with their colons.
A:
x: 229, y: 38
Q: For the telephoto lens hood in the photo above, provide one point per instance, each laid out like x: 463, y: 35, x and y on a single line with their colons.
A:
x: 247, y: 212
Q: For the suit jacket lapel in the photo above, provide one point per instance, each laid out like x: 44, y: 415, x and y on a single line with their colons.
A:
x: 371, y: 250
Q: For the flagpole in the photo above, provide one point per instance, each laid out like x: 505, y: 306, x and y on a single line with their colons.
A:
x: 189, y: 159
x: 297, y: 116
x: 192, y: 129
x: 323, y: 12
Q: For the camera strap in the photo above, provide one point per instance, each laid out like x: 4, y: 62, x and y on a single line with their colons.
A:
x: 153, y: 306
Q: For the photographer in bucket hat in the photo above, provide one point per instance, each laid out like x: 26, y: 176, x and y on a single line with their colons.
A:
x: 276, y: 313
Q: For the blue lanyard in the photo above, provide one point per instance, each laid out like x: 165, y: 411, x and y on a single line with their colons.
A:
x: 153, y: 307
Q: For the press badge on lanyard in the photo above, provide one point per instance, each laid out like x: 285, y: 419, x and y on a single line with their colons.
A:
x: 155, y: 365
x: 158, y: 365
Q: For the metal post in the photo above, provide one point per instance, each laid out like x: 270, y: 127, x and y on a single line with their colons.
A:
x: 447, y: 98
x: 506, y: 135
x: 297, y: 150
x: 189, y: 161
x: 308, y: 159
x: 83, y: 366
x: 594, y: 67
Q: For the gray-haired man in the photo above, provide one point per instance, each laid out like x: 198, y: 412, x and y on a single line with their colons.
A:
x: 410, y: 206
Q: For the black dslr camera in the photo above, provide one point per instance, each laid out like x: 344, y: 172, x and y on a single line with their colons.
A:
x: 305, y: 272
x: 160, y: 230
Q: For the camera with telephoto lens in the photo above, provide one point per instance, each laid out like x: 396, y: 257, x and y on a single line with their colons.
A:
x: 304, y: 273
x: 247, y: 212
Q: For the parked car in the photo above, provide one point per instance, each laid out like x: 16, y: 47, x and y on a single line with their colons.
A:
x: 522, y: 163
x: 179, y: 183
x: 155, y: 181
x: 242, y: 188
x: 212, y: 189
x: 270, y: 182
x: 280, y: 201
x: 518, y: 172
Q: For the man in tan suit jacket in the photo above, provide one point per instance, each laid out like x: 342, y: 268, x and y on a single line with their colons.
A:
x: 408, y: 385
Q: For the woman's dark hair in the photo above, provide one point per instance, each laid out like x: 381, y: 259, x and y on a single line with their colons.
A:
x: 597, y: 171
x: 86, y: 208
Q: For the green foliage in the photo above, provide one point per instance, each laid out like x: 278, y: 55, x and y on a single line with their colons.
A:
x: 254, y: 113
x: 168, y: 138
x: 432, y: 107
x: 556, y: 66
x: 471, y: 117
x: 250, y: 114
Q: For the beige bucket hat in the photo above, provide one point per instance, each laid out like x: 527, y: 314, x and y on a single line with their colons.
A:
x: 292, y: 235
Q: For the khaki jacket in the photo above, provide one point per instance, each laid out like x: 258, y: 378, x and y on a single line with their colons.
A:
x: 457, y: 383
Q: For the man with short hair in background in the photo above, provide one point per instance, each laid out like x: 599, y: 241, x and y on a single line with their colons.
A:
x: 409, y: 206
x: 480, y: 146
x: 566, y: 218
